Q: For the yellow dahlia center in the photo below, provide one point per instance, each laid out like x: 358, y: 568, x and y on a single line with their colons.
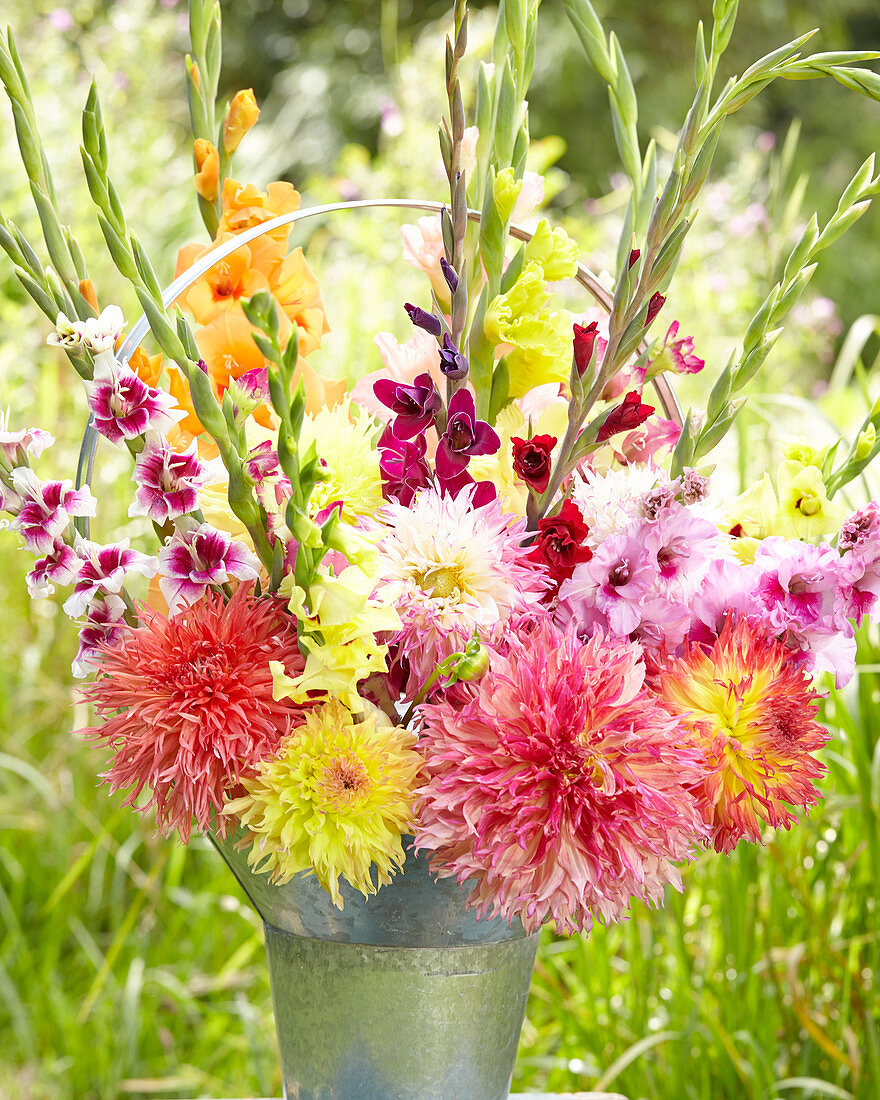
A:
x: 441, y: 581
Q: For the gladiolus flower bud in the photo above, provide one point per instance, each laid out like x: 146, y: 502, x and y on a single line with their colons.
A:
x: 634, y: 256
x: 584, y: 342
x: 87, y: 289
x: 207, y: 177
x: 506, y: 192
x: 654, y: 307
x: 422, y: 319
x: 242, y: 114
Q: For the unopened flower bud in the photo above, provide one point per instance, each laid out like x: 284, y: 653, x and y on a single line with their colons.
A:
x: 584, y: 343
x: 242, y: 114
x: 474, y: 661
x: 422, y: 319
x: 654, y: 307
x: 207, y: 176
x: 505, y: 192
x: 634, y: 256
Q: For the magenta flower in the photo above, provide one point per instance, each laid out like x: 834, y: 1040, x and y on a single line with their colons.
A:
x: 193, y: 559
x: 125, y: 407
x: 453, y: 363
x: 562, y: 788
x: 104, y: 569
x: 464, y: 436
x: 46, y: 508
x: 681, y: 352
x: 167, y: 480
x: 415, y: 406
x: 403, y: 466
x: 105, y: 625
x: 797, y: 583
x: 60, y: 566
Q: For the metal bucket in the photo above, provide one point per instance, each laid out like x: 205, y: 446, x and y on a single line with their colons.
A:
x: 401, y: 996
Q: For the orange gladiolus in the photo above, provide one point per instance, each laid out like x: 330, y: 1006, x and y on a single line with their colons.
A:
x: 244, y: 206
x: 147, y: 367
x: 223, y: 285
x: 242, y: 114
x: 87, y: 289
x: 207, y: 177
x: 296, y: 289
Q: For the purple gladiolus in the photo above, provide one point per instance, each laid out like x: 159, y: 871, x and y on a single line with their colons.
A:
x: 415, y: 406
x: 167, y: 481
x: 464, y: 437
x: 422, y: 319
x: 449, y: 274
x: 452, y: 362
x: 200, y: 556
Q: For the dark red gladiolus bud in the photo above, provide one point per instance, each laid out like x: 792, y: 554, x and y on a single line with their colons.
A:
x: 654, y: 306
x: 634, y: 256
x: 559, y: 543
x: 629, y: 414
x: 531, y: 460
x: 584, y: 342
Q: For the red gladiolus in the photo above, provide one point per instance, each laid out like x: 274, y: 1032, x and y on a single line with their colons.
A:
x: 560, y: 542
x: 531, y: 460
x: 629, y: 414
x: 584, y: 342
x: 634, y: 256
x: 654, y: 306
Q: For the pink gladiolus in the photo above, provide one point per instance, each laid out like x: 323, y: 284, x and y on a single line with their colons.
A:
x: 167, y: 481
x: 192, y: 560
x: 46, y: 508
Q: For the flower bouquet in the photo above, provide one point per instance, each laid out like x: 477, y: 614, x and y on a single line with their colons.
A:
x: 471, y: 634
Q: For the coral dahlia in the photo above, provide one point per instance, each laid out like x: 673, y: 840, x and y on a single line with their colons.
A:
x: 748, y: 704
x: 336, y: 799
x: 562, y: 787
x: 187, y: 703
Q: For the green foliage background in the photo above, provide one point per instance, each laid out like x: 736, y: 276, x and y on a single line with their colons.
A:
x: 131, y: 967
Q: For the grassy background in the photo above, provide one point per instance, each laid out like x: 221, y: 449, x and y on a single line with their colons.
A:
x: 132, y: 967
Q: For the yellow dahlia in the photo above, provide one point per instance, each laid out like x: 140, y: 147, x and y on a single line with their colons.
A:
x: 336, y: 799
x: 747, y: 702
x: 343, y: 437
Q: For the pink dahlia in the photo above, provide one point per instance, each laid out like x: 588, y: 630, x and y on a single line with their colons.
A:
x: 562, y: 787
x: 187, y: 704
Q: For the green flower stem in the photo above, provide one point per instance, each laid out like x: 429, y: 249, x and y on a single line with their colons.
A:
x: 202, y: 81
x: 669, y: 219
x: 64, y: 253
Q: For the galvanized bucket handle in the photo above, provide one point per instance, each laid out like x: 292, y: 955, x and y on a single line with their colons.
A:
x: 185, y: 280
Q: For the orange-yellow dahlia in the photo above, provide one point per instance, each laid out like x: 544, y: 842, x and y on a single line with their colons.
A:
x: 751, y: 708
